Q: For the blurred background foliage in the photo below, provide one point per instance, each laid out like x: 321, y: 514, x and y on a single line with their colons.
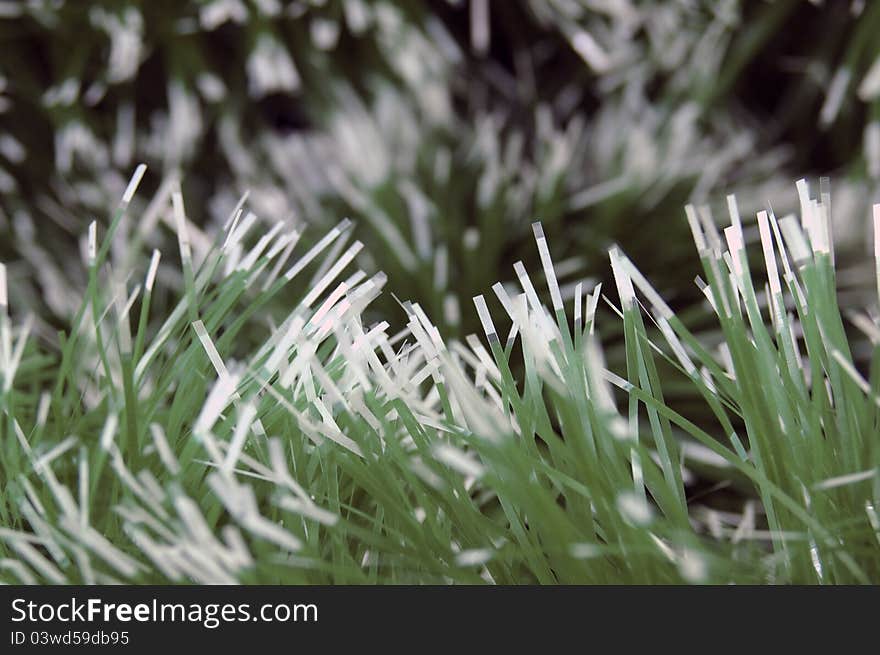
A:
x: 443, y: 128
